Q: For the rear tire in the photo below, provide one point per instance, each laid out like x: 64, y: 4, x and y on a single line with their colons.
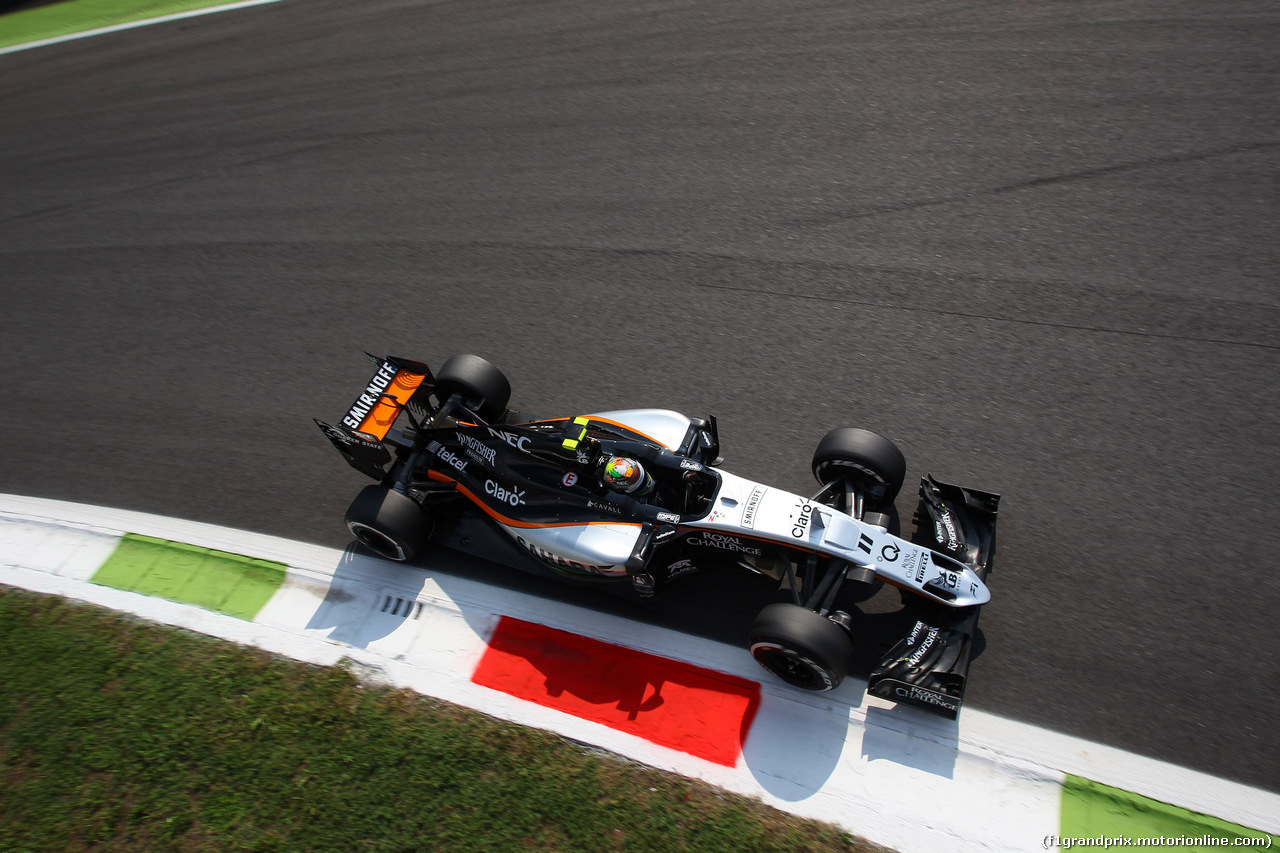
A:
x: 801, y: 647
x: 478, y: 381
x: 873, y: 462
x: 389, y: 523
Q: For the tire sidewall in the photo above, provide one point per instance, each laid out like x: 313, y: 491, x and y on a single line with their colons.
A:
x: 790, y: 633
x: 765, y: 649
x: 393, y: 521
x: 389, y: 547
x: 861, y: 454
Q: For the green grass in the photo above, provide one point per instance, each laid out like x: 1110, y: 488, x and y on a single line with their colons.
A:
x: 77, y: 16
x: 121, y: 735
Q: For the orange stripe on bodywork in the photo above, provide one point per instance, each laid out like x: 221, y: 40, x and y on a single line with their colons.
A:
x: 384, y: 413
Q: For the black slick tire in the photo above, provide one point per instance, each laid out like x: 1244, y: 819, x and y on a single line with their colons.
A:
x: 388, y: 523
x: 801, y: 647
x: 478, y: 381
x: 874, y: 462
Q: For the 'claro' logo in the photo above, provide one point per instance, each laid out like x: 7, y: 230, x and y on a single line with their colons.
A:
x: 515, y: 497
x: 801, y: 527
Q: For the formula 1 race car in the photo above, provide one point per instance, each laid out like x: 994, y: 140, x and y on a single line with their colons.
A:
x: 633, y: 499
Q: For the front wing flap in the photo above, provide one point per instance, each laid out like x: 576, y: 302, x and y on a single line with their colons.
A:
x: 928, y: 667
x: 958, y: 522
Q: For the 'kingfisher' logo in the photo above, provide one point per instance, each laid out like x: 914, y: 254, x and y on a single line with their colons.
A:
x: 477, y: 448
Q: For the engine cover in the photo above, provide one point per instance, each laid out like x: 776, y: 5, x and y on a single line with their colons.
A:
x: 593, y: 549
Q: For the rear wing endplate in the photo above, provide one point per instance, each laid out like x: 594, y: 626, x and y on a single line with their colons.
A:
x: 363, y: 452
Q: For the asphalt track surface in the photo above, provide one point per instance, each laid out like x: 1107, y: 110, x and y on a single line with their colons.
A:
x: 1034, y: 243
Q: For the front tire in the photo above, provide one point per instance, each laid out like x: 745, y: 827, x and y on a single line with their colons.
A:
x: 873, y: 462
x: 389, y: 523
x: 801, y: 647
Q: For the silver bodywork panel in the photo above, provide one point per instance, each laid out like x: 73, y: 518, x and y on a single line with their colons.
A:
x: 664, y: 426
x: 749, y: 509
x: 599, y: 549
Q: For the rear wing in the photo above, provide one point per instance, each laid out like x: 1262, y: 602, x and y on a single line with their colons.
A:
x: 359, y: 435
x: 389, y: 391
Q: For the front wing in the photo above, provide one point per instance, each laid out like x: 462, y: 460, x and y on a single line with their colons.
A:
x: 928, y: 667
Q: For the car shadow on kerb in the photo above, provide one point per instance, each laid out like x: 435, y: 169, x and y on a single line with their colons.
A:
x: 799, y: 742
x: 367, y: 600
x: 912, y: 738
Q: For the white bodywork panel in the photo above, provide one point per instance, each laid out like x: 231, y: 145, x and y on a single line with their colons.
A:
x: 587, y: 549
x: 664, y: 426
x: 747, y: 508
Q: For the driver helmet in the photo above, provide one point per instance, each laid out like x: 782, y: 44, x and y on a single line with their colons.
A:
x: 624, y: 474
